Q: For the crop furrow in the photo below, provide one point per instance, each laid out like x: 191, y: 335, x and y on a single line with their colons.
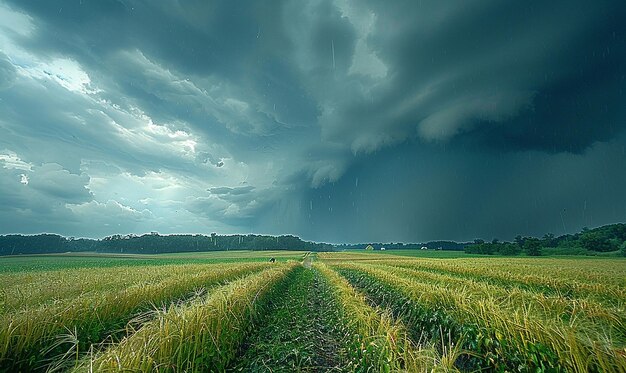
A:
x: 301, y: 331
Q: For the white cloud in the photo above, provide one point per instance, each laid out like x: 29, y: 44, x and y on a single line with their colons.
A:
x: 65, y: 72
x: 10, y: 160
x: 364, y: 61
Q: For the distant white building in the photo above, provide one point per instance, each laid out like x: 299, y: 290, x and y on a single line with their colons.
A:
x: 424, y: 248
x: 382, y: 248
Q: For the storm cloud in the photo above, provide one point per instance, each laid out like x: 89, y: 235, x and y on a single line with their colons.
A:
x: 333, y: 120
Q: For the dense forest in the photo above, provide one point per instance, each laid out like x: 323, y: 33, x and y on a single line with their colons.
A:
x: 152, y: 243
x: 605, y: 240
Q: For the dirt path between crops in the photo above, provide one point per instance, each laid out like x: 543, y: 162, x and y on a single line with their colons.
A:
x: 308, y: 261
x: 300, y: 332
x: 328, y: 346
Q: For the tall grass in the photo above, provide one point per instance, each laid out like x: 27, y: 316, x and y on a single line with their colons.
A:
x: 202, y: 336
x: 30, y: 337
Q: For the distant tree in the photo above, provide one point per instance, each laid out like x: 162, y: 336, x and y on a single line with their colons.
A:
x: 532, y: 246
x: 596, y: 241
x: 481, y: 247
x: 519, y: 240
x: 36, y: 244
x: 509, y: 248
x: 548, y: 240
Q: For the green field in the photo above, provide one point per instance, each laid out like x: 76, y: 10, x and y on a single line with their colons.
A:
x: 20, y: 263
x: 415, y: 253
x: 234, y: 311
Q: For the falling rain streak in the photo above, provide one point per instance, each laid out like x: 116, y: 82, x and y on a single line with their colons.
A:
x: 332, y: 46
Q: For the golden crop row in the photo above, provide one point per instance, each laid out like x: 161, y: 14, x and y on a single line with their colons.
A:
x: 593, y: 270
x: 558, y: 278
x: 604, y: 279
x: 20, y: 291
x: 200, y: 336
x: 579, y: 312
x: 30, y: 335
x: 578, y: 346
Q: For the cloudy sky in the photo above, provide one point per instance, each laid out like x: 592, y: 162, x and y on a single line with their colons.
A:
x: 339, y: 121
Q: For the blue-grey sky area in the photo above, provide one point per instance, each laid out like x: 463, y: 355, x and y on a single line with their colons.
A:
x: 338, y: 121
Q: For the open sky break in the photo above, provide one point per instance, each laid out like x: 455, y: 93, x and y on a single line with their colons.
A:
x: 338, y: 121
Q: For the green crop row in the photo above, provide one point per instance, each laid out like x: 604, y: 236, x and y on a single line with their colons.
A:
x: 376, y: 342
x: 302, y: 330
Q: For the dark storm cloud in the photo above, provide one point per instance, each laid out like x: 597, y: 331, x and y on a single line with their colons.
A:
x: 525, y: 75
x: 236, y: 206
x: 398, y: 120
x: 184, y: 35
x: 34, y: 198
x: 507, y: 73
x: 430, y: 193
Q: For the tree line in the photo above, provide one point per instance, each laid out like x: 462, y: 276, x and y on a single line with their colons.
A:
x: 431, y: 245
x: 152, y: 243
x: 606, y: 239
